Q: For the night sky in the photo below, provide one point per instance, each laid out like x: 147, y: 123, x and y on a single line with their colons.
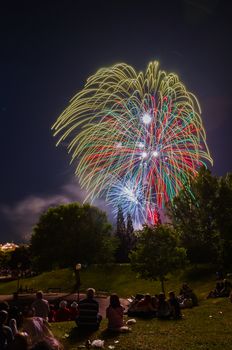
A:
x: 49, y: 48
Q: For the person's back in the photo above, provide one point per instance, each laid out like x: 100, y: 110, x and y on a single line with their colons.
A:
x: 6, y: 336
x: 186, y: 291
x: 73, y: 310
x: 19, y: 342
x: 164, y: 309
x: 226, y: 288
x: 175, y: 306
x: 88, y: 312
x: 41, y: 306
x: 63, y: 314
x: 37, y: 329
x: 114, y: 313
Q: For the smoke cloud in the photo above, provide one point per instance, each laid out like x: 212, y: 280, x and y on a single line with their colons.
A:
x: 19, y: 218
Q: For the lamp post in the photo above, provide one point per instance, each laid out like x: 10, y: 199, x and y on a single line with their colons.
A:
x: 19, y: 274
x: 78, y: 280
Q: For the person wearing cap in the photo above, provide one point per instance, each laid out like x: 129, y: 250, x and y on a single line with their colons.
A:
x: 89, y: 312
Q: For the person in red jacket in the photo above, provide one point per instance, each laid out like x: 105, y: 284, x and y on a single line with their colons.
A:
x: 63, y: 313
x: 73, y: 310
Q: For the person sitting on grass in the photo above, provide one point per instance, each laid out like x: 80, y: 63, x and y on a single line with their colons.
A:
x: 6, y: 335
x: 38, y: 330
x: 73, y: 310
x: 19, y: 342
x: 52, y: 313
x: 175, y: 306
x: 187, y: 297
x: 63, y: 314
x: 145, y: 307
x: 89, y: 317
x: 132, y: 309
x: 216, y: 293
x: 114, y: 313
x: 164, y: 309
x: 226, y: 288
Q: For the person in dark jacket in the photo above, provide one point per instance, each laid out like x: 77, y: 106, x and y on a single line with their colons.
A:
x: 164, y: 308
x: 175, y: 306
x: 6, y: 335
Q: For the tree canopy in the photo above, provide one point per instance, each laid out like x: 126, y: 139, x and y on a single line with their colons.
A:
x: 157, y: 253
x: 70, y: 234
x: 202, y: 213
x: 125, y: 234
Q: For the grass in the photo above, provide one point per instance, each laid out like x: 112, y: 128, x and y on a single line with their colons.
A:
x: 109, y: 278
x: 62, y: 278
x: 206, y: 327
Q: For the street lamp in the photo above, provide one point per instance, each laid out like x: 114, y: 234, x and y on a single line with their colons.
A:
x: 19, y: 274
x: 78, y: 280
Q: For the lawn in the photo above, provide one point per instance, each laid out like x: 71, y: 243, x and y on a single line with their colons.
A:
x: 206, y: 327
x: 113, y: 278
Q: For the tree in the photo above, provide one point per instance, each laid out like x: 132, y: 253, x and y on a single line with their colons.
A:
x: 224, y: 218
x: 194, y: 213
x: 130, y: 236
x: 22, y: 256
x: 157, y: 253
x: 122, y: 250
x: 121, y: 227
x: 70, y: 234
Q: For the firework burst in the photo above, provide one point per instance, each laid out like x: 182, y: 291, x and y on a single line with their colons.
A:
x: 137, y: 138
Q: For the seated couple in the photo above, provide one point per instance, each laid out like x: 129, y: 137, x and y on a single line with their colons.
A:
x: 90, y: 319
x: 222, y: 289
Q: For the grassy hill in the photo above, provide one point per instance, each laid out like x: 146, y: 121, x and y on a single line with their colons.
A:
x: 206, y: 327
x: 111, y: 278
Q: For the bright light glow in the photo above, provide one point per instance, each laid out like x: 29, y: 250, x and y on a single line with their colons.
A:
x: 144, y: 155
x: 118, y: 144
x: 155, y: 154
x: 130, y: 193
x: 146, y: 118
x: 141, y: 145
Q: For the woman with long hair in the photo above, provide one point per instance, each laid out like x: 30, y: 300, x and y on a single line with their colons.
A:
x: 114, y: 313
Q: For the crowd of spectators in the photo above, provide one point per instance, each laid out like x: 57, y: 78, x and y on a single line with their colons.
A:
x: 29, y: 328
x: 148, y: 306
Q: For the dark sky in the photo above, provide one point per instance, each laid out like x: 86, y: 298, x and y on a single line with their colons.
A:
x: 49, y: 48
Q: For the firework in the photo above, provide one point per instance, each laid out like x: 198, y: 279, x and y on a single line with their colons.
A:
x: 137, y: 138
